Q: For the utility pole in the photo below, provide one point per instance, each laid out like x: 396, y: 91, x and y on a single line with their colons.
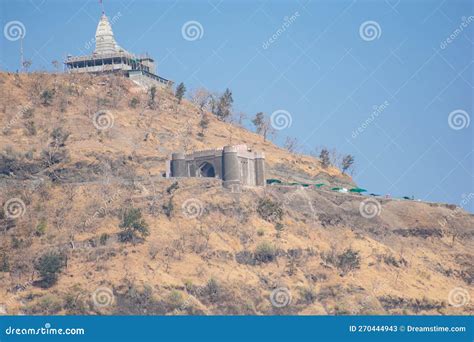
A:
x: 22, y: 61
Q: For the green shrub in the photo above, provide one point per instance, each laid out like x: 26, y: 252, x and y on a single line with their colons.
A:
x: 265, y: 252
x: 103, y: 239
x: 40, y: 229
x: 349, y: 260
x: 46, y: 305
x: 168, y: 208
x: 392, y: 260
x: 134, y: 102
x: 30, y: 127
x: 48, y: 266
x: 28, y: 113
x: 52, y: 156
x: 245, y: 258
x: 308, y: 295
x: 175, y: 300
x: 172, y: 188
x: 151, y: 97
x: 17, y: 243
x: 74, y: 304
x: 4, y: 264
x: 47, y: 97
x: 212, y: 290
x: 279, y: 226
x: 269, y: 210
x: 189, y: 286
x: 133, y: 226
x: 59, y: 137
x: 103, y: 102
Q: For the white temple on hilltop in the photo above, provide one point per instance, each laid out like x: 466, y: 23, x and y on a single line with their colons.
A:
x: 109, y: 57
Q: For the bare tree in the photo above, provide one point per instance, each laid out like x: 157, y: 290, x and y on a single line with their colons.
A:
x: 263, y: 125
x: 201, y: 99
x: 152, y: 97
x: 239, y: 118
x: 324, y: 158
x: 291, y: 144
x: 222, y: 106
x: 347, y: 162
x: 26, y: 65
x: 203, y: 124
x: 180, y: 90
x: 335, y: 157
x: 56, y: 65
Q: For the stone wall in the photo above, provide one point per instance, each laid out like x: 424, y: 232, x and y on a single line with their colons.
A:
x: 235, y: 165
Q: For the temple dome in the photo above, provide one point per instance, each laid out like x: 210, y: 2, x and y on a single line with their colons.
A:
x: 104, y: 38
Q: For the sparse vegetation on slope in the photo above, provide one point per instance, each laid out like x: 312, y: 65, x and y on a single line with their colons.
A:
x: 61, y: 242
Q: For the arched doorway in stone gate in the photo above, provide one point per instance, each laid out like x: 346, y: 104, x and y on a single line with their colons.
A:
x: 206, y: 170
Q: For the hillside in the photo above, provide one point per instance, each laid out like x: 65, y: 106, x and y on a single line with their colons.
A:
x: 140, y: 137
x: 272, y: 250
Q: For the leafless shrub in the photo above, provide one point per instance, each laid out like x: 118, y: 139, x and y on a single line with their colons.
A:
x: 346, y: 261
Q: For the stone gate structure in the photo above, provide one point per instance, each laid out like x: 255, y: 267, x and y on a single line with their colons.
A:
x: 235, y: 165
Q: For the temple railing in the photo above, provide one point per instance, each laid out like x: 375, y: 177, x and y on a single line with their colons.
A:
x: 72, y: 59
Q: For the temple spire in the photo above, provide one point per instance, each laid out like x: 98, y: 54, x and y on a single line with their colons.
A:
x: 104, y: 37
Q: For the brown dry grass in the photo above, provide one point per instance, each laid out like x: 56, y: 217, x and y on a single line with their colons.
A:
x: 409, y: 259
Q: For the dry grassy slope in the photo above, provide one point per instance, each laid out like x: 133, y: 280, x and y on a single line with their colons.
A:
x: 143, y: 136
x: 409, y: 260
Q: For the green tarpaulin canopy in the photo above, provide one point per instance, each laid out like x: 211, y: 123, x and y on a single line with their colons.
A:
x: 273, y: 181
x: 358, y: 190
x: 319, y: 185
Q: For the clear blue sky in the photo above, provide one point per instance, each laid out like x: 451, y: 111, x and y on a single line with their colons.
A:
x: 323, y: 68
